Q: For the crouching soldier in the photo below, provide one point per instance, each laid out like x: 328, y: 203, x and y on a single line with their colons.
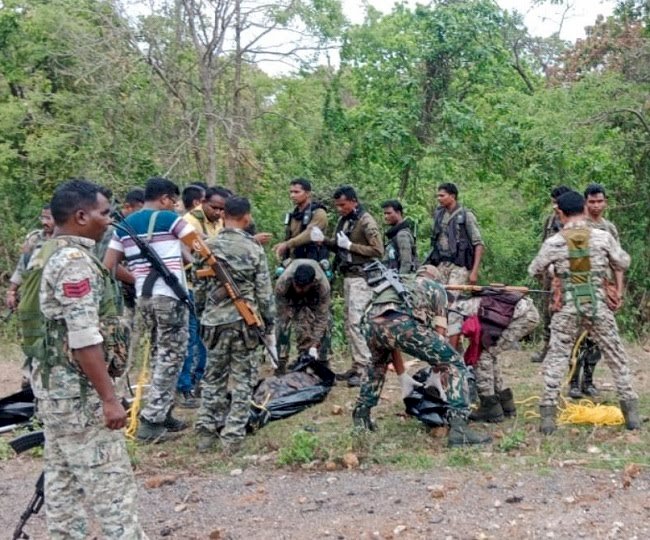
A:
x: 410, y: 315
x: 505, y: 318
x: 302, y: 296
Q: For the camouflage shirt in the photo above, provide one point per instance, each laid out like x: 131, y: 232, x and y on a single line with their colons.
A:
x: 246, y: 262
x: 427, y: 298
x: 72, y: 287
x: 604, y: 252
x: 604, y: 225
x: 33, y: 241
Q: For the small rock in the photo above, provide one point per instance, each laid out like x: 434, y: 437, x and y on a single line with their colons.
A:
x: 217, y: 534
x: 330, y: 466
x: 594, y: 450
x: 162, y: 454
x: 166, y: 531
x: 497, y: 503
x: 331, y: 479
x: 397, y: 501
x: 570, y: 499
x: 158, y: 481
x: 436, y: 519
x: 438, y: 432
x: 437, y: 491
x: 350, y: 460
x: 261, y: 489
x: 480, y: 536
x: 302, y: 500
x: 399, y: 530
x: 514, y: 499
x: 337, y: 410
x: 236, y: 472
x: 180, y: 507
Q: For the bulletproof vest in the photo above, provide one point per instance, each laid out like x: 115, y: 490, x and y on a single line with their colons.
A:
x: 392, y: 250
x: 43, y: 338
x: 311, y: 250
x: 579, y: 279
x: 460, y: 245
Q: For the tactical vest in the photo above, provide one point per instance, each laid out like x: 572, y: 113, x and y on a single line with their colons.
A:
x: 393, y: 261
x: 460, y: 245
x: 43, y: 338
x: 579, y: 279
x: 311, y: 250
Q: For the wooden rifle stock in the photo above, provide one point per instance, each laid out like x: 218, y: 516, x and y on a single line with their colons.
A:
x: 495, y: 287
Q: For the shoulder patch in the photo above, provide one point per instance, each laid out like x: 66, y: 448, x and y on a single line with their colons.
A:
x: 77, y: 289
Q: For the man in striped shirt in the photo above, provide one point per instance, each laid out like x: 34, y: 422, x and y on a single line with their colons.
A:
x: 162, y: 312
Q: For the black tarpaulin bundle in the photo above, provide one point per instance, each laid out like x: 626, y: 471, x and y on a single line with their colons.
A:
x: 17, y: 408
x: 306, y: 384
x: 428, y: 403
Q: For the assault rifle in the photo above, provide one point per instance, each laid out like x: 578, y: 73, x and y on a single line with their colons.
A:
x: 22, y: 444
x: 218, y: 268
x: 495, y: 287
x: 380, y: 278
x: 158, y: 266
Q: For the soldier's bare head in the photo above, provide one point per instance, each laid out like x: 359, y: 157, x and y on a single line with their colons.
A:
x: 192, y: 197
x: 215, y: 203
x: 47, y: 222
x: 570, y: 205
x: 237, y: 212
x: 303, y: 278
x: 81, y: 208
x: 161, y: 193
x: 596, y: 200
x: 447, y: 195
x: 393, y: 211
x: 300, y: 191
x: 345, y: 200
x: 556, y: 192
x: 133, y: 201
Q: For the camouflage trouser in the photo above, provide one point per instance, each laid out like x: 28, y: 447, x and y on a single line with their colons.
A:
x: 357, y: 294
x: 566, y: 325
x: 302, y: 320
x: 488, y: 371
x: 399, y: 331
x: 133, y: 318
x: 86, y: 463
x: 167, y: 320
x: 452, y: 274
x: 234, y: 357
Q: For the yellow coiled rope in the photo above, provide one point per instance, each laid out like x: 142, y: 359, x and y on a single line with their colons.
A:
x: 585, y: 411
x: 143, y: 377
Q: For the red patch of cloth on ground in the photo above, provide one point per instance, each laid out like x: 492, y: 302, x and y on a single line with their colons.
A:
x: 471, y: 329
x: 77, y: 289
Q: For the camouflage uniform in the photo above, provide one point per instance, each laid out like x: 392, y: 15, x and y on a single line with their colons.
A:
x: 453, y: 273
x: 390, y: 325
x: 401, y: 251
x: 309, y: 311
x: 363, y: 231
x: 525, y: 318
x: 234, y: 352
x: 567, y: 323
x: 84, y: 460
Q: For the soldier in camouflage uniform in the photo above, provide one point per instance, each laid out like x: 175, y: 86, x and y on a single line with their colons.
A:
x: 580, y: 257
x: 400, y: 250
x: 85, y: 455
x: 582, y: 381
x: 357, y: 241
x: 302, y: 295
x: 456, y: 243
x: 497, y: 401
x: 416, y: 327
x: 163, y: 314
x: 234, y: 351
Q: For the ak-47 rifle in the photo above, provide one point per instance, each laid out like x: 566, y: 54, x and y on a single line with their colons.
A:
x: 495, y: 287
x: 20, y: 445
x: 380, y: 278
x: 218, y: 268
x: 158, y: 266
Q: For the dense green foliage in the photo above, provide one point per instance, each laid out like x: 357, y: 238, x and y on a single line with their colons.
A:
x: 457, y: 91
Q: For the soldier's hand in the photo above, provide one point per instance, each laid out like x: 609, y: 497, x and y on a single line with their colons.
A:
x: 316, y: 235
x: 343, y: 241
x: 313, y: 352
x: 407, y: 384
x: 12, y: 300
x: 114, y: 414
x: 473, y: 278
x: 280, y: 250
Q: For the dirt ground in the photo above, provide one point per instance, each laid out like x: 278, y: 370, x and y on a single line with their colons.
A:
x: 491, y: 498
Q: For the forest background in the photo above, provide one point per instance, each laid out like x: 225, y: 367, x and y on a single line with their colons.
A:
x: 454, y: 91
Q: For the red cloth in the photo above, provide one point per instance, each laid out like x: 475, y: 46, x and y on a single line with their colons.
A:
x: 471, y: 329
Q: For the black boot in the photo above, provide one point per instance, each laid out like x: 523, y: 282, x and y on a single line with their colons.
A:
x: 489, y: 411
x: 150, y: 432
x: 574, y: 388
x: 630, y: 410
x: 588, y: 388
x: 174, y: 425
x: 361, y: 418
x: 547, y: 424
x: 508, y: 403
x: 461, y: 435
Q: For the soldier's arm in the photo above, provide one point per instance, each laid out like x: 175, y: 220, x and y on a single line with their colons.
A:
x: 374, y: 247
x: 322, y: 309
x: 474, y: 234
x: 404, y: 246
x: 281, y: 290
x: 263, y: 290
x: 318, y: 219
x: 542, y: 261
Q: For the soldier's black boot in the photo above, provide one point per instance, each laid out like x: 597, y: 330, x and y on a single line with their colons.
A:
x: 489, y: 411
x: 588, y: 388
x: 547, y: 424
x: 508, y: 403
x: 630, y: 410
x: 539, y: 356
x: 151, y: 432
x: 172, y: 424
x: 461, y: 435
x: 361, y: 418
x: 574, y: 383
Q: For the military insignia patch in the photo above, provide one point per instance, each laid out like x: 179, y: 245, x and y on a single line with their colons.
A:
x: 76, y: 289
